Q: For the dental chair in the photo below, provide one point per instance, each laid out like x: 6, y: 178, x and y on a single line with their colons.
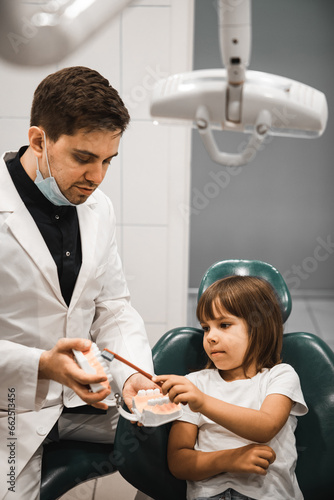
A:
x: 67, y: 464
x: 179, y: 351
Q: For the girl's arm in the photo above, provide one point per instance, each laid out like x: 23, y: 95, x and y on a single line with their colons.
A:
x: 255, y: 425
x: 186, y: 463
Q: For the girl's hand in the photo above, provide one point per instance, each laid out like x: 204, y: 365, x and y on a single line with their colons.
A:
x: 251, y: 459
x: 181, y: 390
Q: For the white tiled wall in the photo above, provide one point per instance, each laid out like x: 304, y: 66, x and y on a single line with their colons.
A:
x: 150, y: 179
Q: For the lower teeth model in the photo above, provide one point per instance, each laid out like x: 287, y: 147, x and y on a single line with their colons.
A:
x: 151, y: 409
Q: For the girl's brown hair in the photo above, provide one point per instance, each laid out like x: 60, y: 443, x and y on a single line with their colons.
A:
x: 254, y: 300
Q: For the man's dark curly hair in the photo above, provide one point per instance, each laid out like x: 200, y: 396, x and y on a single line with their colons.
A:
x: 77, y: 98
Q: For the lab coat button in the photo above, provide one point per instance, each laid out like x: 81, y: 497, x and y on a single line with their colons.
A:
x: 41, y: 431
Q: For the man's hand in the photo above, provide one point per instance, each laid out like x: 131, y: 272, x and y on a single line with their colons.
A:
x: 134, y: 384
x: 251, y: 459
x: 58, y: 364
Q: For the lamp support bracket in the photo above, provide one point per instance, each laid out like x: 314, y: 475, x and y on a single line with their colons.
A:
x: 261, y: 129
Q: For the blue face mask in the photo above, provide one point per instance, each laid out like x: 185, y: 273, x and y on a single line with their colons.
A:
x: 49, y: 186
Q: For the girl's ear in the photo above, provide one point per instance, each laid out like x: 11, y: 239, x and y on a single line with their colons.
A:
x: 36, y: 141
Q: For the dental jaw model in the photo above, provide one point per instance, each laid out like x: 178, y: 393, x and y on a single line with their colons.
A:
x: 91, y: 361
x: 150, y: 408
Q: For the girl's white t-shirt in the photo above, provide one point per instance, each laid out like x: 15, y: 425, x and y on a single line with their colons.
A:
x: 280, y: 483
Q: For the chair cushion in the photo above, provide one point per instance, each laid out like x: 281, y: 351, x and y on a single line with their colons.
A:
x: 68, y: 463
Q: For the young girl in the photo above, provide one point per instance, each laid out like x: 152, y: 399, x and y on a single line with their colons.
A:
x: 236, y: 439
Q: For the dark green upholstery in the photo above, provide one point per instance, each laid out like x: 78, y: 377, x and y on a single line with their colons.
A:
x: 180, y: 351
x: 68, y: 463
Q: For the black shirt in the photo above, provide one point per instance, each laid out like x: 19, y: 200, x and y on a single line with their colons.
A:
x: 58, y: 225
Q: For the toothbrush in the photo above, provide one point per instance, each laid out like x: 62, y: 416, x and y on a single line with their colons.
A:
x: 109, y: 355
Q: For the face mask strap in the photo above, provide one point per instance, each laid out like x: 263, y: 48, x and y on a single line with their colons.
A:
x: 46, y: 155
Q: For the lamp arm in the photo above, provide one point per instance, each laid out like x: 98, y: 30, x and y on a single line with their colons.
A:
x: 234, y: 19
x: 235, y: 46
x: 261, y: 129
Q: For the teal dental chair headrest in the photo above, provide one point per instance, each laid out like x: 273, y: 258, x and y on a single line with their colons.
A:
x: 256, y: 268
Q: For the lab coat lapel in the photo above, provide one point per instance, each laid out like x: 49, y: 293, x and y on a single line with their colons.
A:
x: 24, y: 229
x: 88, y: 223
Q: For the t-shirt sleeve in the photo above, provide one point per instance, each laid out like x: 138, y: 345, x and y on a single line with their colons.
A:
x: 283, y: 379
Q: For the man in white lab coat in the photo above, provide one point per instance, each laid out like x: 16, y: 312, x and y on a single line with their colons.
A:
x: 61, y: 280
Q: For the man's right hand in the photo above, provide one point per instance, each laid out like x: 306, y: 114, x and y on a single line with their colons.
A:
x: 59, y: 364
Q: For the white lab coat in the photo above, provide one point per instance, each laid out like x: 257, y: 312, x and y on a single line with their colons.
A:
x: 34, y: 315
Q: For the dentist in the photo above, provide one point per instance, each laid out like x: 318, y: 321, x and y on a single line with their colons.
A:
x: 61, y: 279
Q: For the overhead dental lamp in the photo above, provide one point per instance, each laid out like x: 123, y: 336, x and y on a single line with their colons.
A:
x: 238, y: 99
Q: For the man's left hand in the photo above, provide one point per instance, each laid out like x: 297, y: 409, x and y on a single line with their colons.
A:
x: 133, y: 384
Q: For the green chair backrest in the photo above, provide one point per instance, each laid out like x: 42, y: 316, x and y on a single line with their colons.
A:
x: 313, y: 360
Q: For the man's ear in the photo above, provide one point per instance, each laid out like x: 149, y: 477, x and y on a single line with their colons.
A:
x: 36, y: 141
